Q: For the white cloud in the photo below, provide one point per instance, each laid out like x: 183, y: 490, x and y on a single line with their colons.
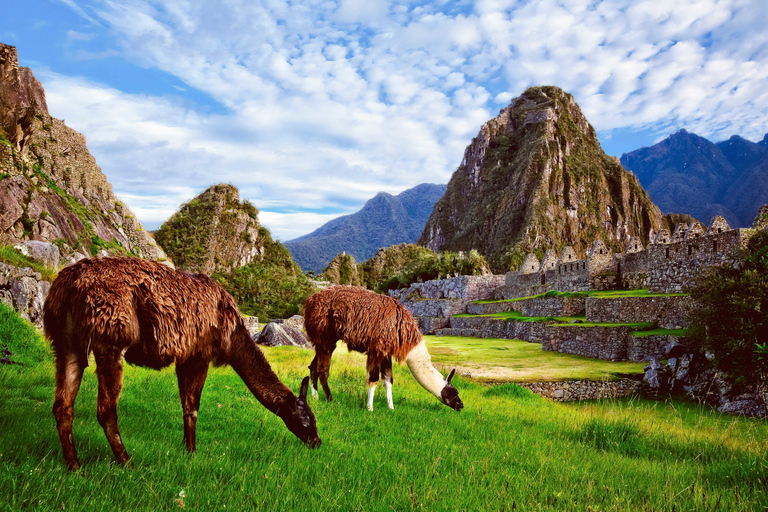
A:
x: 328, y: 103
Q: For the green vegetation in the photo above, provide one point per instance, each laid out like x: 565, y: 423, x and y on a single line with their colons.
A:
x: 26, y: 344
x: 507, y: 450
x: 185, y: 236
x: 399, y: 266
x: 517, y: 316
x: 660, y: 332
x: 502, y: 360
x: 273, y: 287
x: 12, y: 256
x: 731, y: 314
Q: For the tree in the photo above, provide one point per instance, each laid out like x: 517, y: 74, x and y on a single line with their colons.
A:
x: 730, y: 317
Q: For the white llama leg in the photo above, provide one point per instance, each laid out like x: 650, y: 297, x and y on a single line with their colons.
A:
x: 371, y: 389
x: 388, y: 387
x: 314, y: 392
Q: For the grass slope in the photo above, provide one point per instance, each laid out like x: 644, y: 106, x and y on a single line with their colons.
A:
x: 508, y: 449
x: 501, y: 360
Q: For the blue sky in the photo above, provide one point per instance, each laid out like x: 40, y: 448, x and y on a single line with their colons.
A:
x: 310, y: 108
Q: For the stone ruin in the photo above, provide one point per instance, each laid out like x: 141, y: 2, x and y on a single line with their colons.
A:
x: 667, y: 265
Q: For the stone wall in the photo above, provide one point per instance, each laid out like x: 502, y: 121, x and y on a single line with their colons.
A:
x: 643, y: 348
x: 671, y: 267
x: 666, y: 312
x: 583, y: 389
x: 24, y: 290
x: 607, y: 343
x: 491, y: 308
x: 466, y: 288
x: 552, y: 306
x: 442, y: 308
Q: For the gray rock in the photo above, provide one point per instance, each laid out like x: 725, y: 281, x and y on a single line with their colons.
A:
x: 279, y: 334
x: 750, y: 407
x: 296, y: 321
x: 44, y: 252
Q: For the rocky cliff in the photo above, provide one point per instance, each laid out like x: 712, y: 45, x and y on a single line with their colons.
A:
x: 689, y: 174
x: 536, y: 178
x: 215, y: 232
x: 383, y: 221
x: 51, y: 189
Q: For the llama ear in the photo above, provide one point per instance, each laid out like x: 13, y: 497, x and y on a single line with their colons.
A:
x: 450, y: 376
x: 304, y: 389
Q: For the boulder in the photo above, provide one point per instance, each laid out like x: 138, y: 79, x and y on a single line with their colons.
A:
x: 44, y: 252
x: 279, y: 334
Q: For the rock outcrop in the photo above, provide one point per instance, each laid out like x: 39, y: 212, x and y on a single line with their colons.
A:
x: 536, y: 178
x: 215, y: 232
x: 24, y: 290
x: 276, y: 334
x: 51, y: 189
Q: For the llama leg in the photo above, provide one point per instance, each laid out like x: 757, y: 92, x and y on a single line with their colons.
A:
x: 191, y: 376
x: 373, y: 379
x: 69, y: 372
x: 323, y: 368
x: 313, y: 376
x: 109, y: 369
x: 386, y: 376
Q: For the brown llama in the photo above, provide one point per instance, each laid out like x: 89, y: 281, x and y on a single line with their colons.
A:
x: 150, y: 315
x: 376, y: 325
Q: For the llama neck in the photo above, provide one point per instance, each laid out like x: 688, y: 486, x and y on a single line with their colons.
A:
x: 420, y: 364
x: 247, y: 359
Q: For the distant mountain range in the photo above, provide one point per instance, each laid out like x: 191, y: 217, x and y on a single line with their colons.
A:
x: 686, y: 173
x: 383, y: 221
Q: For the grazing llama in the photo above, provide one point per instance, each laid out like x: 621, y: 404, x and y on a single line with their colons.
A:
x: 150, y: 315
x: 378, y: 326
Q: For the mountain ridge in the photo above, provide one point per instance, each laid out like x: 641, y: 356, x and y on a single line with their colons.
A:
x: 384, y: 220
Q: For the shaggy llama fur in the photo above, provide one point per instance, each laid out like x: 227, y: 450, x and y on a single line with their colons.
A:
x: 150, y: 315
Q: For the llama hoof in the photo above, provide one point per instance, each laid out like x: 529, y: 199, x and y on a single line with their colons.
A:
x: 370, y: 408
x: 314, y: 393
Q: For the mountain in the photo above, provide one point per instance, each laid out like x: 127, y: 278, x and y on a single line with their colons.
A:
x: 536, y: 178
x: 383, y: 221
x: 215, y: 232
x: 688, y: 173
x: 51, y: 189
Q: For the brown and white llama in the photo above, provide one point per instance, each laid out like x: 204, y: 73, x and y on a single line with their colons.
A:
x: 376, y: 325
x: 150, y: 315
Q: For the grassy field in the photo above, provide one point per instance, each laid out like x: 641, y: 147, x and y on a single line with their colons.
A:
x: 501, y: 360
x: 507, y: 450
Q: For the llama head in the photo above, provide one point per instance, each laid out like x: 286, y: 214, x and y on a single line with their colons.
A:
x: 301, y: 421
x: 449, y: 395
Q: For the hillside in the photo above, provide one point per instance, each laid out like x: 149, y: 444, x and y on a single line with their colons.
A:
x: 536, y: 178
x: 383, y: 221
x: 689, y: 174
x: 215, y: 232
x: 50, y: 186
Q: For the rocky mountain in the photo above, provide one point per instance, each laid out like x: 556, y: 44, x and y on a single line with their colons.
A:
x: 51, y: 189
x: 687, y: 173
x: 536, y: 178
x: 215, y: 232
x: 383, y: 221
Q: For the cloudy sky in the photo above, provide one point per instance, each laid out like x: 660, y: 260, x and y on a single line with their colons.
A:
x: 312, y: 107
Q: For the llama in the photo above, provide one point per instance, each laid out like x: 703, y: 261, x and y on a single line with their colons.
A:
x: 150, y: 315
x: 378, y: 326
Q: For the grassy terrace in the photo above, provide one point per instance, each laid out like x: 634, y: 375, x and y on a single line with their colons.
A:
x: 641, y: 328
x: 13, y: 257
x: 602, y: 294
x: 501, y: 360
x: 507, y: 450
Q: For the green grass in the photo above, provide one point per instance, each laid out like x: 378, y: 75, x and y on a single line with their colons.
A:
x: 502, y: 360
x: 517, y: 316
x: 602, y: 294
x: 13, y: 257
x: 507, y: 450
x: 660, y: 332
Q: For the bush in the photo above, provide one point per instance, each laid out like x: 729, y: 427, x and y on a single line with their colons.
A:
x: 730, y: 318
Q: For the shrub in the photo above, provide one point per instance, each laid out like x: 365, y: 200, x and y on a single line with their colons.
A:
x: 730, y: 317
